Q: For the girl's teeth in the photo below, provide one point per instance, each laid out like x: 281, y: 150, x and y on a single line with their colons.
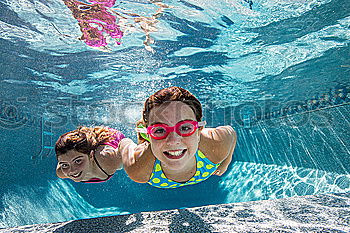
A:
x: 76, y: 175
x: 175, y: 153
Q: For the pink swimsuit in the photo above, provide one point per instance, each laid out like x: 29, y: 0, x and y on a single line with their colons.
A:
x: 95, y: 21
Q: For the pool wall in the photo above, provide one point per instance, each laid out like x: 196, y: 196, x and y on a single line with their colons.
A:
x: 316, y: 138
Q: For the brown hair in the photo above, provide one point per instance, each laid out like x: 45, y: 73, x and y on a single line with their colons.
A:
x: 167, y: 95
x: 83, y: 139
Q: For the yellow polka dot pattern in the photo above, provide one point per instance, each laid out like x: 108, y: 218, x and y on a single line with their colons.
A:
x: 201, y: 155
x: 156, y: 180
x: 158, y: 168
x: 200, y: 164
x: 205, y: 168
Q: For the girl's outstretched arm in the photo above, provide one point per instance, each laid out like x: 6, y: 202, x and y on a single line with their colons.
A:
x: 219, y: 144
x: 232, y: 138
x: 137, y: 160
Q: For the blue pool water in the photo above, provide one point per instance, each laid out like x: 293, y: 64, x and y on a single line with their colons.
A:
x: 277, y: 71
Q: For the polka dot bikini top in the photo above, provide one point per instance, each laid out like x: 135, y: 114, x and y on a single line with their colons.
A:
x: 205, y: 168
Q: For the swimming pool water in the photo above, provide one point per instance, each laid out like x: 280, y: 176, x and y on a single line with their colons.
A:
x: 278, y: 73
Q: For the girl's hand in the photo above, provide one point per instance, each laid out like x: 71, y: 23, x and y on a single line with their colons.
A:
x: 127, y: 149
x: 130, y: 152
x: 221, y: 169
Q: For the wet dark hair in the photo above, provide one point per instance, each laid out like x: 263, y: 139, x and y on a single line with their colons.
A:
x: 167, y: 95
x: 83, y: 139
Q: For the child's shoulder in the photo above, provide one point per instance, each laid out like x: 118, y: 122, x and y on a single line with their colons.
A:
x: 107, y: 157
x: 221, y: 134
x: 216, y: 143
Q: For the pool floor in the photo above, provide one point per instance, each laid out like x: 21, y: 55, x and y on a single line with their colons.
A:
x: 314, y: 213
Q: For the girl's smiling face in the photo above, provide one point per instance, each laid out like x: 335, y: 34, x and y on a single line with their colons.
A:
x: 74, y: 165
x: 174, y: 151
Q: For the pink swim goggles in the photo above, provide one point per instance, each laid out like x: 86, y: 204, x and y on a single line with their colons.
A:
x: 183, y: 128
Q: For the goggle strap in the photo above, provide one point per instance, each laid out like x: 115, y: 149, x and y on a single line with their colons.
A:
x: 141, y: 130
x: 202, y: 123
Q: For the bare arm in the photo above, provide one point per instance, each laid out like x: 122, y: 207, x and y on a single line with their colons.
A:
x: 224, y: 164
x: 138, y: 160
x: 219, y: 144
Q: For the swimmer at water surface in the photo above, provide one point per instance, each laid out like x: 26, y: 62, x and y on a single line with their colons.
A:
x: 101, y: 23
x: 89, y: 155
x: 175, y: 149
